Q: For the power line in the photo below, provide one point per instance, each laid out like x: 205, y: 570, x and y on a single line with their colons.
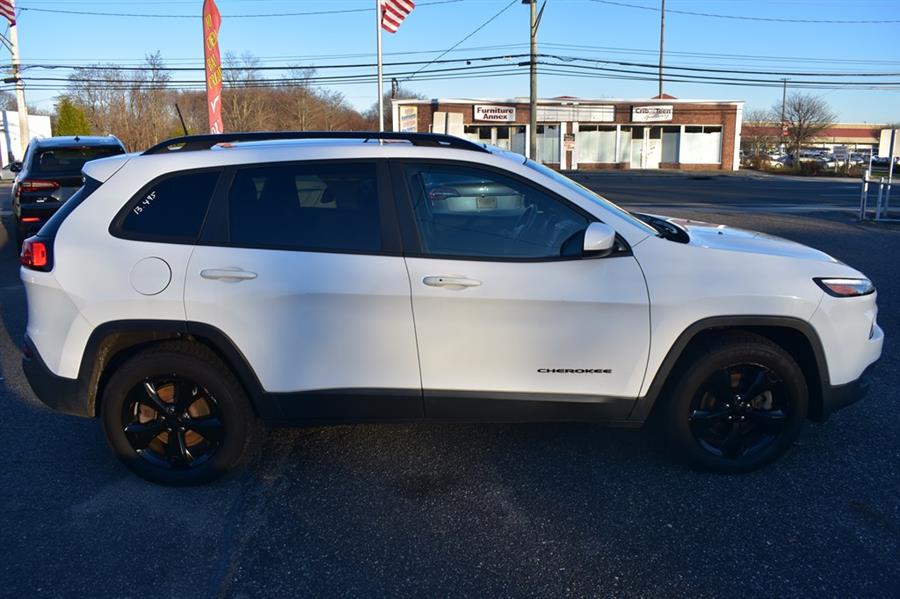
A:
x: 470, y: 59
x: 241, y: 16
x: 145, y: 67
x: 746, y: 18
x: 711, y: 78
x: 477, y: 29
x: 739, y: 71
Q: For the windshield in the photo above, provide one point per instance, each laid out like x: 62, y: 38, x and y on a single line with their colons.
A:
x: 71, y: 159
x: 590, y: 195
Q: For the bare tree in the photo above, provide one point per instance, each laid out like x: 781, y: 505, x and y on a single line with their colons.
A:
x: 134, y: 104
x: 760, y: 132
x: 402, y: 93
x: 806, y: 117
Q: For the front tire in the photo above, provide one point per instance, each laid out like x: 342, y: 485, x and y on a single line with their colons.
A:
x: 175, y: 415
x: 738, y: 405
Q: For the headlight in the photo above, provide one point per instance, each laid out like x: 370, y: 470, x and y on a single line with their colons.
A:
x: 846, y: 287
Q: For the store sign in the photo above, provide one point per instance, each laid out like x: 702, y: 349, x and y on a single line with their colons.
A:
x: 651, y: 114
x: 502, y: 114
x: 569, y: 142
x: 409, y: 119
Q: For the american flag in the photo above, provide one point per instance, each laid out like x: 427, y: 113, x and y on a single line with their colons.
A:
x: 392, y: 13
x: 8, y: 10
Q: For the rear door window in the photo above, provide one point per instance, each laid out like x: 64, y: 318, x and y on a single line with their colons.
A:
x: 171, y: 209
x: 312, y: 206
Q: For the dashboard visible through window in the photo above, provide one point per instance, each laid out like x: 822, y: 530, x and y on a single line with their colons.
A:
x: 470, y: 212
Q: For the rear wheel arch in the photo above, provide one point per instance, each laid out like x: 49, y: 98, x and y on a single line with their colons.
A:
x: 113, y: 343
x: 794, y: 335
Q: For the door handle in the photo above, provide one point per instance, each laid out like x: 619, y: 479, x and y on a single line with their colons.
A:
x: 451, y: 282
x: 227, y: 274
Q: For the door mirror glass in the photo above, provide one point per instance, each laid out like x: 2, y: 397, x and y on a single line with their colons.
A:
x: 599, y: 240
x: 15, y: 167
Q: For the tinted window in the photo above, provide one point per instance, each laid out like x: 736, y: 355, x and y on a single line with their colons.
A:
x: 172, y: 209
x: 69, y: 160
x: 462, y: 211
x: 311, y: 206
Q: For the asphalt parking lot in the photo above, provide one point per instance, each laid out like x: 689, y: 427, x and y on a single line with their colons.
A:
x: 480, y: 510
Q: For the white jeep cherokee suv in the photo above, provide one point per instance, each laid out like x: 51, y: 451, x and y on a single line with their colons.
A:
x: 211, y: 282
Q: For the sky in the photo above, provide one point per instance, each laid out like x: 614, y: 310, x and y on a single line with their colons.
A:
x: 581, y: 35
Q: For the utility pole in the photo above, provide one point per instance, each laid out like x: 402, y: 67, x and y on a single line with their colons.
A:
x: 783, y: 101
x: 20, y: 88
x: 532, y: 121
x: 662, y: 29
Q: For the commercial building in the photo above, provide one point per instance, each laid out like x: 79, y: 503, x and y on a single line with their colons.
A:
x: 856, y: 136
x: 585, y: 134
x: 10, y: 144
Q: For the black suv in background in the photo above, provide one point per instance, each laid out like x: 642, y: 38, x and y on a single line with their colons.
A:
x: 49, y: 174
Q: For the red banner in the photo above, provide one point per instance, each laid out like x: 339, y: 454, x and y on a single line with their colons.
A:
x: 211, y: 21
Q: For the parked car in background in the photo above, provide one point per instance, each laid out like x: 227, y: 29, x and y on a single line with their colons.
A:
x: 884, y: 162
x: 781, y: 162
x: 49, y: 174
x: 7, y: 173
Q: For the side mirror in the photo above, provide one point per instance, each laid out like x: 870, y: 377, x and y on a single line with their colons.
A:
x: 599, y: 240
x: 15, y: 167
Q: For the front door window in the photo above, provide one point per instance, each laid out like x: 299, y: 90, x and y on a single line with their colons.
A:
x: 475, y: 213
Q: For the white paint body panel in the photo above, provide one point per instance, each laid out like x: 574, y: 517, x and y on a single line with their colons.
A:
x: 311, y: 320
x: 578, y: 314
x: 725, y: 271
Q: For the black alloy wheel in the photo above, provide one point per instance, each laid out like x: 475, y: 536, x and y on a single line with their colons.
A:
x: 173, y: 422
x: 739, y: 410
x: 176, y: 415
x: 737, y: 403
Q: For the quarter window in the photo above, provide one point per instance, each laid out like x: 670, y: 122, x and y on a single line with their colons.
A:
x: 306, y: 207
x: 463, y: 211
x: 172, y: 209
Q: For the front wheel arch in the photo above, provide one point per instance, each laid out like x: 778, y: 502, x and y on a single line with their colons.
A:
x: 794, y: 335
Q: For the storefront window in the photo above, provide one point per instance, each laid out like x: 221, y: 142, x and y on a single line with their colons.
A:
x: 548, y: 143
x: 625, y: 143
x: 670, y: 139
x: 702, y: 145
x: 596, y: 143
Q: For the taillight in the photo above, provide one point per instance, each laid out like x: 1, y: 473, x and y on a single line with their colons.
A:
x: 38, y: 185
x: 35, y: 254
x: 30, y: 219
x: 35, y: 185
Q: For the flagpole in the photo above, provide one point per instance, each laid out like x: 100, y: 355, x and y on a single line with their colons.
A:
x: 380, y: 81
x: 21, y: 107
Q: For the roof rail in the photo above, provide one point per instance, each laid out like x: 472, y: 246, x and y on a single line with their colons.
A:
x: 205, y: 142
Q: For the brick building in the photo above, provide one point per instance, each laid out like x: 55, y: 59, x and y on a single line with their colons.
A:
x: 584, y: 134
x: 856, y: 136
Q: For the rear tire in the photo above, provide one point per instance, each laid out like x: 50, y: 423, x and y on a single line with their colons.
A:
x: 738, y: 405
x: 174, y: 414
